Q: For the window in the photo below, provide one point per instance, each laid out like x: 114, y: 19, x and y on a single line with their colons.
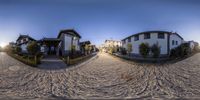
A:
x: 161, y: 35
x: 173, y: 42
x: 147, y: 36
x: 136, y: 37
x: 124, y: 41
x: 129, y: 39
x: 24, y: 40
x: 176, y: 42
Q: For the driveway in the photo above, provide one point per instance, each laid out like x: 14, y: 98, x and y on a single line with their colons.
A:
x: 52, y: 62
x: 102, y: 77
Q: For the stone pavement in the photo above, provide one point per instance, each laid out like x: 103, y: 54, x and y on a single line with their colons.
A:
x: 104, y: 77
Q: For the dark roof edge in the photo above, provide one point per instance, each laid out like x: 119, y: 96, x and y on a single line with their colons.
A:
x: 153, y: 32
x: 68, y: 30
x: 25, y: 36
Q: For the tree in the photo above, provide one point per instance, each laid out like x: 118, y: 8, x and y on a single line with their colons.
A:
x: 90, y: 49
x: 129, y: 48
x: 33, y: 48
x: 86, y: 49
x: 73, y: 49
x: 144, y: 49
x: 18, y: 49
x: 155, y: 49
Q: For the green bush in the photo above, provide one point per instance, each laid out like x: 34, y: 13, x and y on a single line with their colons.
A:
x: 33, y: 48
x: 123, y: 51
x: 180, y: 51
x: 129, y: 48
x: 155, y: 49
x: 18, y: 49
x: 196, y: 49
x: 111, y: 50
x: 144, y: 49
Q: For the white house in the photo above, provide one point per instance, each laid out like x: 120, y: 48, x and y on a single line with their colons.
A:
x: 111, y: 43
x: 23, y: 41
x: 166, y: 41
x: 68, y: 38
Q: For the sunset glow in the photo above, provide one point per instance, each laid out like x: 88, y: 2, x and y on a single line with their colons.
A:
x: 3, y: 44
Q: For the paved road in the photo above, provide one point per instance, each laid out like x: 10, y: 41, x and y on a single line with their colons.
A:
x: 102, y: 77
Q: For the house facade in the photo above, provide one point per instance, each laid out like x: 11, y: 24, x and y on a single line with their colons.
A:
x: 111, y: 43
x: 68, y: 38
x: 61, y: 46
x: 23, y: 41
x: 166, y: 41
x: 82, y: 46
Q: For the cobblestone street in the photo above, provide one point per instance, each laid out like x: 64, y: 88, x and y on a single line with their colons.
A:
x: 102, y: 77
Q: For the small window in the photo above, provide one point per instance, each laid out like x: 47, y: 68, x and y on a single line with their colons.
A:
x: 147, y: 36
x: 173, y: 42
x: 129, y: 39
x: 176, y: 42
x: 124, y: 41
x: 136, y: 37
x: 161, y: 35
x: 24, y: 40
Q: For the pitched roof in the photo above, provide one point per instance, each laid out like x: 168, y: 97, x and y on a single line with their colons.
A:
x: 85, y: 42
x: 70, y: 32
x: 153, y: 32
x: 25, y: 36
x: 50, y: 39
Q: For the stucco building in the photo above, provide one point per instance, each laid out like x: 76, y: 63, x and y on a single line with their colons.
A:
x: 166, y: 41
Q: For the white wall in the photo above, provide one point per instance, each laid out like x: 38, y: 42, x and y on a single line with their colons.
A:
x: 153, y: 40
x: 175, y: 38
x: 67, y: 42
x: 24, y: 47
x: 75, y: 42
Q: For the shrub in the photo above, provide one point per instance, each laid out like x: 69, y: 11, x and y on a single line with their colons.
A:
x: 180, y: 51
x: 144, y: 49
x: 73, y: 49
x: 111, y: 50
x: 18, y: 49
x: 173, y: 53
x: 155, y: 49
x: 123, y: 51
x: 196, y: 49
x: 129, y: 48
x: 33, y: 48
x: 86, y: 49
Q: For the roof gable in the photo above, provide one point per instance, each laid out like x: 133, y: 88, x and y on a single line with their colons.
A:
x: 25, y: 36
x: 70, y: 32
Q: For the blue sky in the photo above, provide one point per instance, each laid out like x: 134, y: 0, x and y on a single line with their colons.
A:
x: 97, y: 20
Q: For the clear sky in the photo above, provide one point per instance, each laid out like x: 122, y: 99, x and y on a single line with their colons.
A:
x: 97, y: 20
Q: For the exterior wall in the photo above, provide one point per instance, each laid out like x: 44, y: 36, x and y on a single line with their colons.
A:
x: 125, y: 43
x: 76, y: 43
x: 24, y: 48
x: 67, y: 42
x: 163, y: 43
x: 153, y: 40
x: 175, y: 38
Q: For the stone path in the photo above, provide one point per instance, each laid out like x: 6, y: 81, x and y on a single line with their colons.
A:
x: 103, y: 77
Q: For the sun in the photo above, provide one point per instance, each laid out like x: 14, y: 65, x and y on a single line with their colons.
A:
x: 3, y: 44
